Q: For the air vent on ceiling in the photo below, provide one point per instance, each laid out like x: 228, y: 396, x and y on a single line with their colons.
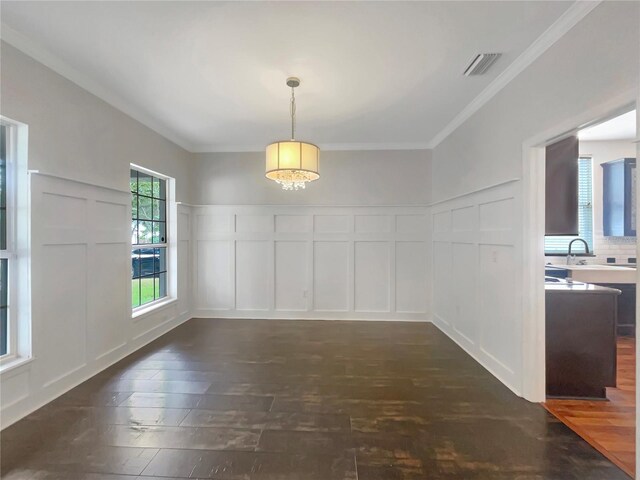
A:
x: 481, y: 63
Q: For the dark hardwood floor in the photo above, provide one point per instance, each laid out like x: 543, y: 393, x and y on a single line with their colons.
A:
x: 610, y: 426
x: 297, y: 400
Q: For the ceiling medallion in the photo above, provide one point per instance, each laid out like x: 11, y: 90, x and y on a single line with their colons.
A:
x: 291, y: 163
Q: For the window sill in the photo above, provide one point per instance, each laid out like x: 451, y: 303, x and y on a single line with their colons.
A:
x: 146, y: 310
x: 11, y: 364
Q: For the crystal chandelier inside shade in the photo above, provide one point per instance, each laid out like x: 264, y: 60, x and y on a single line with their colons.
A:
x: 291, y: 163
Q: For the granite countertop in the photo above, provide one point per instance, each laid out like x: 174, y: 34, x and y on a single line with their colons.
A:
x: 595, y: 273
x: 569, y: 286
x: 594, y: 266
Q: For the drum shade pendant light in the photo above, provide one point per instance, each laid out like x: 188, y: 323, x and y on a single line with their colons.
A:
x: 291, y: 163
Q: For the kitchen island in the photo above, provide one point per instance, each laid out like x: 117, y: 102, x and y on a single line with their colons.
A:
x: 580, y: 339
x: 620, y: 277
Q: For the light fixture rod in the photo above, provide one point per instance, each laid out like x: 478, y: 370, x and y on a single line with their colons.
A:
x: 293, y: 82
x: 292, y: 109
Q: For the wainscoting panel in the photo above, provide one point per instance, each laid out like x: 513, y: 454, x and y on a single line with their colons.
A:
x: 463, y: 219
x: 65, y: 299
x: 216, y: 257
x: 463, y: 290
x: 443, y: 297
x: 411, y: 275
x: 332, y: 223
x: 291, y: 275
x: 107, y: 330
x: 411, y: 224
x: 372, y: 279
x: 312, y: 262
x: 475, y: 279
x: 373, y: 223
x: 498, y: 304
x: 81, y: 318
x: 214, y: 224
x: 293, y: 223
x: 252, y: 275
x: 254, y: 223
x: 332, y: 288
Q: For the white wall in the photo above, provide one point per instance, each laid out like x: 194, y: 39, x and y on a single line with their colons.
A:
x: 80, y: 239
x: 593, y: 64
x: 352, y: 245
x: 621, y: 248
x: 311, y: 262
x: 394, y: 177
x: 82, y: 149
x: 365, y: 235
x: 475, y: 281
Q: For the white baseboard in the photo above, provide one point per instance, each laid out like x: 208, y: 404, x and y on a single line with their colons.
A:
x: 20, y: 409
x: 479, y: 357
x: 328, y: 316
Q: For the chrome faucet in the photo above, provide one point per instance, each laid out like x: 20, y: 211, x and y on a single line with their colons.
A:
x: 571, y: 258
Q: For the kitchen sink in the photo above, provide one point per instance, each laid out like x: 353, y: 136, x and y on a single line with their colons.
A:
x: 548, y: 279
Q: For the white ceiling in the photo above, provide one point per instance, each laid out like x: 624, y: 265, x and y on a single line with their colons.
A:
x: 622, y: 127
x: 211, y: 75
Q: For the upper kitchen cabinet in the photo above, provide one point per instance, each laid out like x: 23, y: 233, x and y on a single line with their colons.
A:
x: 619, y: 198
x: 562, y: 187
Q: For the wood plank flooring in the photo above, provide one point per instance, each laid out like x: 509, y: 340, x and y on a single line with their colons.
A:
x: 608, y: 425
x: 297, y: 400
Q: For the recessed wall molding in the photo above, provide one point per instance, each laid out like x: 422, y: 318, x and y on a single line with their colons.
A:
x: 311, y: 262
x: 74, y: 180
x: 81, y: 249
x: 475, y: 256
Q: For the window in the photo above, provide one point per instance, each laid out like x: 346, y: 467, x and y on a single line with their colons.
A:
x: 15, y: 253
x: 148, y: 238
x: 5, y: 253
x: 560, y: 244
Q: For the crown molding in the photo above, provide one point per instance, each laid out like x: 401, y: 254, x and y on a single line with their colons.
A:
x: 241, y: 148
x: 53, y: 62
x: 59, y: 66
x: 574, y: 14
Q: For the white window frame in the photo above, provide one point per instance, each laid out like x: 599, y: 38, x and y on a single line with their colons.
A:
x: 18, y: 247
x: 9, y: 254
x: 170, y: 245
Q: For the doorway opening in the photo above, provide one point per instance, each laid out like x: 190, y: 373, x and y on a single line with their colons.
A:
x: 580, y: 187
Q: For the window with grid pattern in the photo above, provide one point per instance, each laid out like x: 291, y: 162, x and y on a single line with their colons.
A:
x: 5, y: 255
x: 148, y: 238
x: 559, y: 244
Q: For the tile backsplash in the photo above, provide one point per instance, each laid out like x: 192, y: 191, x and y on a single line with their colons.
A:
x: 621, y: 248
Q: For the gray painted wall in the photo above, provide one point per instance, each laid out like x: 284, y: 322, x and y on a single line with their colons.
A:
x: 74, y: 134
x: 399, y: 177
x: 593, y: 63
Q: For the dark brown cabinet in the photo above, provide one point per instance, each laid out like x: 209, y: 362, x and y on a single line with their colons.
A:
x: 580, y: 341
x: 618, y: 198
x: 561, y: 187
x: 626, y: 307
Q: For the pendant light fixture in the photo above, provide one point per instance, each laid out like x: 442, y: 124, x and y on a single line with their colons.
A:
x: 291, y: 163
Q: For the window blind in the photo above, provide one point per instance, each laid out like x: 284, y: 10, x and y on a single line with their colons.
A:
x: 560, y: 244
